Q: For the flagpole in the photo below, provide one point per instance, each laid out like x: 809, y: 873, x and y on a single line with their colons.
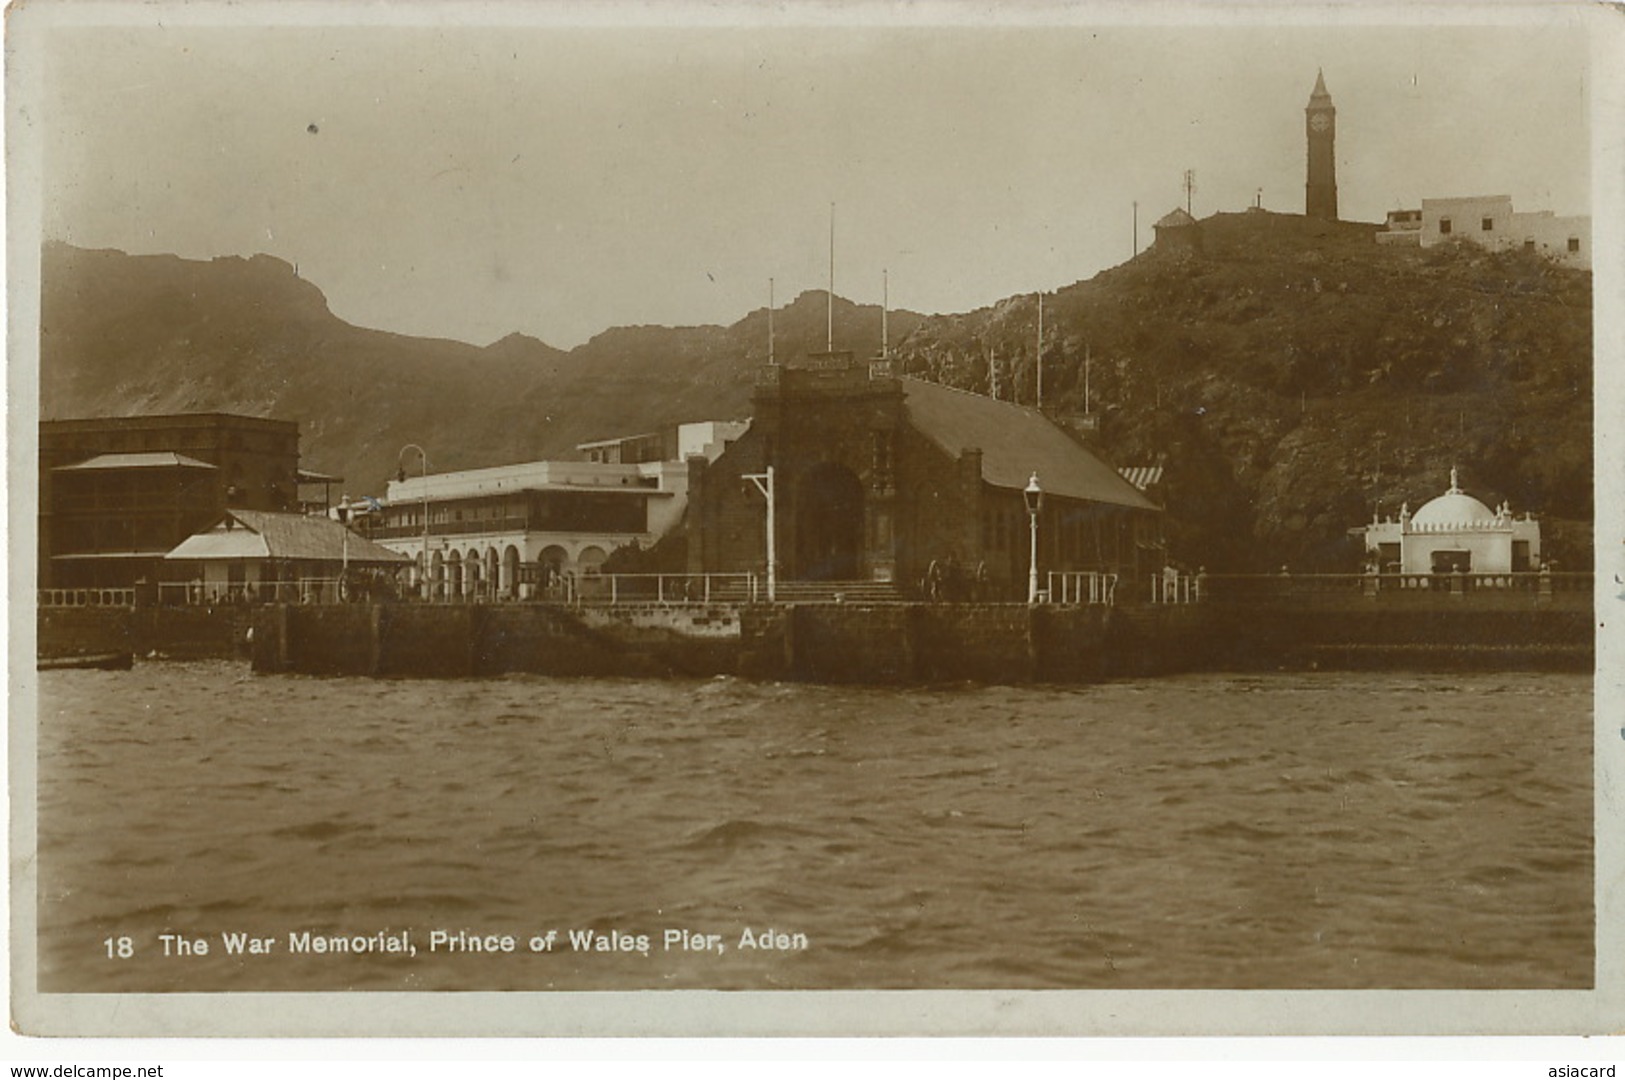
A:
x: 1040, y: 350
x: 829, y: 340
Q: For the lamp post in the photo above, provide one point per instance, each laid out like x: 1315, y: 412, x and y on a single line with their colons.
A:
x: 1034, y: 495
x: 424, y: 573
x: 344, y: 550
x: 764, y: 484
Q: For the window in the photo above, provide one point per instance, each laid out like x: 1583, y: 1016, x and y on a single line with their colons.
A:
x: 1574, y: 243
x: 1529, y: 245
x: 1444, y: 225
x: 1487, y: 225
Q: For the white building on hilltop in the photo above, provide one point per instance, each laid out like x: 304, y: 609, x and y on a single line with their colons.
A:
x: 1490, y: 222
x: 1454, y: 532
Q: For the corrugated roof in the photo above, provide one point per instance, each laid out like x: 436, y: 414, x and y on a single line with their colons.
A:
x: 1015, y: 442
x: 165, y: 459
x: 1174, y: 219
x: 264, y: 535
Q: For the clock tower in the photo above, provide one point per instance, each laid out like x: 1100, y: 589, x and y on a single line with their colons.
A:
x: 1320, y: 125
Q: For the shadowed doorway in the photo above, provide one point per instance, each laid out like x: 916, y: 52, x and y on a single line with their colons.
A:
x: 829, y: 524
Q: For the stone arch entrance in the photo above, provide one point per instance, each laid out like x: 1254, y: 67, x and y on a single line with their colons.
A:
x: 829, y: 524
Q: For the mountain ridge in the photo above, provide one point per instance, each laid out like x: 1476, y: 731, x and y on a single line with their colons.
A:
x: 1293, y: 377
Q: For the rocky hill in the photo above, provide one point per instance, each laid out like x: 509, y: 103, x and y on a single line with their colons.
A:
x: 1293, y: 375
x: 1290, y: 377
x: 123, y: 335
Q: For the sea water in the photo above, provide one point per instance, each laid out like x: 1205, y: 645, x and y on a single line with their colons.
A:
x: 204, y: 828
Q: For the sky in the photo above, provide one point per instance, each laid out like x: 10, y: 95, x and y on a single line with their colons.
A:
x: 509, y: 171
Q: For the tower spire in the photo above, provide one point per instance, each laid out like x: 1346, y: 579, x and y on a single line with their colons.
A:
x: 1320, y: 132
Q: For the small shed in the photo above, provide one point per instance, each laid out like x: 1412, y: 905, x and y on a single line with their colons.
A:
x: 1178, y: 231
x: 256, y: 555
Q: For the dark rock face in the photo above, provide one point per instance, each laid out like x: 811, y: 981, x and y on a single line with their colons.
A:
x: 1294, y: 374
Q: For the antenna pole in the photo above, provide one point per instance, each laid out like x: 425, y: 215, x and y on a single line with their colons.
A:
x: 885, y: 310
x: 770, y: 358
x: 829, y: 339
x: 1136, y: 228
x: 1086, y: 378
x: 1040, y: 350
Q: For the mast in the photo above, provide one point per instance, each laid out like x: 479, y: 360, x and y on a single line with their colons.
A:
x: 829, y: 338
x: 770, y: 359
x: 1040, y: 350
x: 885, y: 310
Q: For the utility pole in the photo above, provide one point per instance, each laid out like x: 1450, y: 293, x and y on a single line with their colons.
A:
x: 829, y: 340
x: 770, y: 358
x: 885, y: 310
x: 1086, y: 378
x: 1190, y: 189
x: 1040, y: 358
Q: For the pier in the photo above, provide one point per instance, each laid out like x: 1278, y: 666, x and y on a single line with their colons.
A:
x: 841, y: 633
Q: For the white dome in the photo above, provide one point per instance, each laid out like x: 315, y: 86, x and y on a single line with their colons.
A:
x: 1454, y: 507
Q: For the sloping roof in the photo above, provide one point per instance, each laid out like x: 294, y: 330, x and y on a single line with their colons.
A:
x: 219, y: 543
x: 166, y: 459
x: 260, y: 534
x: 1015, y: 442
x: 1174, y: 219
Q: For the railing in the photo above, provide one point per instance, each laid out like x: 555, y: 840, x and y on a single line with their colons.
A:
x: 86, y: 597
x: 197, y: 593
x: 450, y: 528
x: 598, y: 589
x: 1176, y: 588
x: 1081, y: 587
x: 1259, y: 588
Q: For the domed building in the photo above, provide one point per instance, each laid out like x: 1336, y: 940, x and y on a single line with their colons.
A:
x: 1454, y: 532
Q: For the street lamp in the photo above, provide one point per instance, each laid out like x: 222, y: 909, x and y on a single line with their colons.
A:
x: 401, y: 475
x: 1034, y: 495
x: 344, y: 558
x: 764, y: 484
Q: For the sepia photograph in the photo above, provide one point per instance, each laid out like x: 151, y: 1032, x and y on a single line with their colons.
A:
x: 1076, y: 520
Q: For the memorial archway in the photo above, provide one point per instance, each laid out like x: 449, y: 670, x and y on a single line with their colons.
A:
x: 829, y: 524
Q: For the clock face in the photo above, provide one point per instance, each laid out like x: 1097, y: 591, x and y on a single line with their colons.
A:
x: 1320, y: 121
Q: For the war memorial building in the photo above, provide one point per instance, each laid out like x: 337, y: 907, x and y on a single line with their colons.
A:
x: 879, y: 475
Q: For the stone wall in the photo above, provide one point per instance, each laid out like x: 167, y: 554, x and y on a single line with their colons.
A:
x: 924, y: 643
x: 178, y: 633
x: 456, y: 640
